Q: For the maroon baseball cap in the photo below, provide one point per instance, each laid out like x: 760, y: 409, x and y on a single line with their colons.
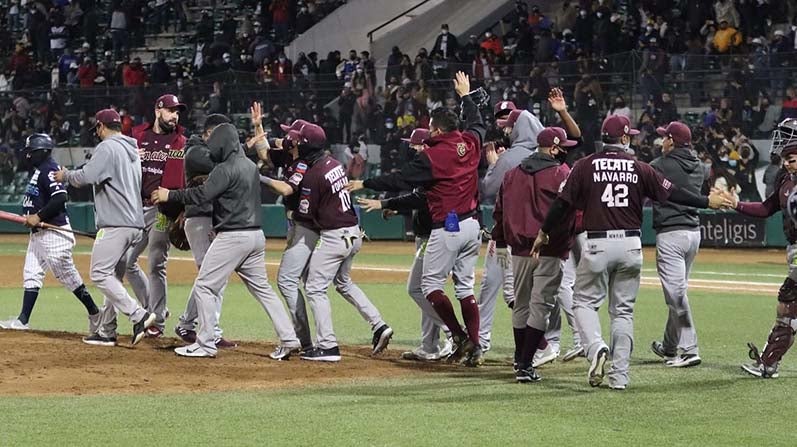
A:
x: 170, y: 101
x: 616, y: 126
x: 313, y: 135
x: 678, y: 131
x: 296, y: 125
x: 108, y: 116
x: 418, y: 136
x: 292, y: 135
x: 554, y: 136
x: 510, y: 120
x: 502, y: 107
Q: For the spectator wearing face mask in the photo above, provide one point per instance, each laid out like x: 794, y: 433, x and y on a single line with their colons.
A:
x: 619, y: 108
x: 482, y: 66
x: 134, y: 74
x: 87, y: 72
x: 446, y: 43
x: 492, y: 43
x: 582, y: 30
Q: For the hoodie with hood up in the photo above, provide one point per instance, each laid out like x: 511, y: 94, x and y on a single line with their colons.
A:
x: 524, y: 142
x: 115, y: 171
x: 526, y: 195
x: 682, y: 167
x: 232, y: 187
x: 197, y: 162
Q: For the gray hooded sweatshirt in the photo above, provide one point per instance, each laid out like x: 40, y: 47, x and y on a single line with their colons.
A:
x: 232, y: 187
x: 682, y: 167
x: 197, y: 162
x: 115, y: 171
x: 524, y: 142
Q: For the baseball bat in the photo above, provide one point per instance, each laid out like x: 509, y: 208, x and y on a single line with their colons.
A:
x: 16, y: 218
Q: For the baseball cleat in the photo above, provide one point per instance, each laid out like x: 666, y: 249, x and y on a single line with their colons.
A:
x: 684, y: 361
x: 94, y: 322
x: 658, y: 348
x: 140, y: 328
x: 575, y: 351
x: 527, y: 375
x: 462, y: 347
x: 475, y: 358
x: 597, y: 368
x: 547, y: 355
x: 618, y: 386
x: 761, y: 371
x: 381, y: 338
x: 14, y: 324
x: 447, y: 349
x: 186, y: 335
x: 284, y: 352
x: 419, y: 355
x: 223, y: 343
x: 193, y: 350
x: 154, y: 332
x: 322, y: 355
x: 97, y: 340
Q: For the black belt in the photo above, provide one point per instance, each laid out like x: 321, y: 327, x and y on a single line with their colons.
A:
x: 461, y: 217
x: 605, y: 234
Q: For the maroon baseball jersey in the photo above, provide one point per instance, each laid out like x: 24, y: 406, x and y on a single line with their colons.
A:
x: 294, y: 174
x: 610, y: 187
x: 323, y: 199
x: 524, y: 199
x: 777, y: 201
x: 161, y: 160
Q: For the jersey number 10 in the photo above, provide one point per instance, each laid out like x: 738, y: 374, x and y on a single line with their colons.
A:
x: 615, y: 196
x: 345, y: 200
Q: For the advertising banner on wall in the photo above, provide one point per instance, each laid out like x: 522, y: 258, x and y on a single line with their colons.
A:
x: 732, y: 230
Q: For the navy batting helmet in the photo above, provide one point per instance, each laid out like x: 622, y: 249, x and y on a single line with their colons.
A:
x: 39, y: 142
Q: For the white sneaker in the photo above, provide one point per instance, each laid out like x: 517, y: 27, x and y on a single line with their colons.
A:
x: 683, y: 361
x: 14, y: 324
x: 548, y: 355
x: 575, y: 351
x: 193, y: 350
x: 447, y: 349
x: 419, y: 355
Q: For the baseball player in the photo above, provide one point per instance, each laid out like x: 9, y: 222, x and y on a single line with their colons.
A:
x: 781, y: 336
x: 325, y: 204
x: 677, y: 241
x: 233, y: 188
x: 304, y: 235
x: 525, y: 196
x: 431, y: 324
x: 198, y: 226
x: 161, y: 143
x: 45, y: 201
x: 115, y: 172
x: 614, y: 186
x: 448, y: 172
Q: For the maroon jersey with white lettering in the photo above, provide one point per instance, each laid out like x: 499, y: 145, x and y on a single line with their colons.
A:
x: 323, y: 199
x: 161, y: 160
x: 610, y: 187
x: 294, y: 174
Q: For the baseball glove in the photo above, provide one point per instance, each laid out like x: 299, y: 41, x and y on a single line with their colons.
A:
x: 177, y: 237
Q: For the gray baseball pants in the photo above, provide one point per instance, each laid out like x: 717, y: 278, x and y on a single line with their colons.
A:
x: 675, y: 253
x: 293, y: 268
x: 564, y: 301
x: 455, y: 254
x: 431, y: 324
x: 108, y: 263
x: 150, y: 288
x: 495, y: 279
x: 332, y: 262
x: 242, y: 252
x: 609, y: 267
x: 536, y: 285
x: 199, y: 232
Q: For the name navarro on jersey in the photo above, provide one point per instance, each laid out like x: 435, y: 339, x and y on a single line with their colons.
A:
x: 162, y: 155
x: 337, y: 179
x: 616, y: 171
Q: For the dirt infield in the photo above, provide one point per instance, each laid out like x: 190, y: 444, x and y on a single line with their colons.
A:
x: 57, y: 363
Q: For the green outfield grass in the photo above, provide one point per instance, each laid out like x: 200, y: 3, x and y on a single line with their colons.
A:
x: 711, y: 405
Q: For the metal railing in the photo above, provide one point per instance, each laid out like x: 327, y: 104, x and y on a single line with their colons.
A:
x: 400, y: 15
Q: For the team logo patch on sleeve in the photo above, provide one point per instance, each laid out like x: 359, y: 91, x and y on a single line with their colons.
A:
x: 296, y: 179
x: 666, y: 184
x: 461, y: 149
x: 301, y: 168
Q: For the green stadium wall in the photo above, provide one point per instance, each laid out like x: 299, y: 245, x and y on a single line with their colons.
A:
x: 720, y: 229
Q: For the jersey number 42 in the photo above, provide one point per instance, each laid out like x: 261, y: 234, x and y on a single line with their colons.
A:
x: 615, y: 196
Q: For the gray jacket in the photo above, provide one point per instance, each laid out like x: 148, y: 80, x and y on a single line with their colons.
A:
x: 197, y: 162
x: 233, y: 186
x: 684, y: 170
x: 524, y: 142
x: 115, y: 171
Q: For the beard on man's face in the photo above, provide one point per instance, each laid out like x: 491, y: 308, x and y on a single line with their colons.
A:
x: 167, y: 125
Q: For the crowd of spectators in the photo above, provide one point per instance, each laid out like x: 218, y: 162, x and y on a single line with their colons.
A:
x: 733, y: 58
